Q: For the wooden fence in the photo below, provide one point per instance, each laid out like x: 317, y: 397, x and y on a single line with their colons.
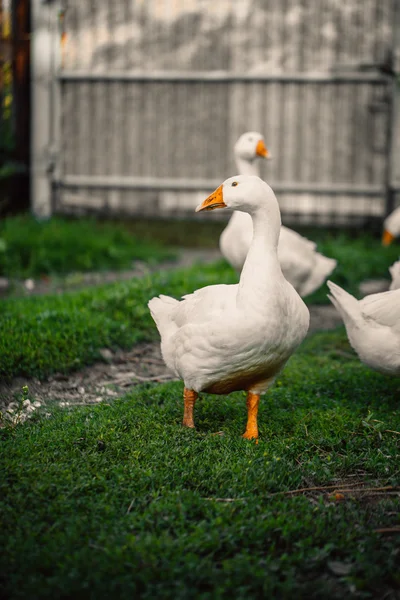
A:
x: 150, y: 97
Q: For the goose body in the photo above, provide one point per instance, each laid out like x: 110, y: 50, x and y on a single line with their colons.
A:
x: 224, y: 338
x: 372, y: 326
x: 304, y: 267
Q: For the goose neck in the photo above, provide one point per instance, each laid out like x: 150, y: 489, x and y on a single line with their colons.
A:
x: 262, y: 268
x: 247, y: 167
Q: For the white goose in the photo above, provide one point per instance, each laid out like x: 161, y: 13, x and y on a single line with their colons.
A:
x: 372, y: 326
x: 391, y: 227
x: 391, y: 230
x: 304, y: 267
x: 224, y: 338
x: 394, y: 271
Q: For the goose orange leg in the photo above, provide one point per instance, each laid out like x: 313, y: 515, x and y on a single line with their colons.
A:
x: 253, y: 401
x: 189, y: 399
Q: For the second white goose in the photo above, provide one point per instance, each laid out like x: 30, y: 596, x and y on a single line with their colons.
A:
x: 304, y: 267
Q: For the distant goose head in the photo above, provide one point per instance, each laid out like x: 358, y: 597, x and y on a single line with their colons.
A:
x: 250, y: 145
x: 247, y: 193
x: 391, y: 227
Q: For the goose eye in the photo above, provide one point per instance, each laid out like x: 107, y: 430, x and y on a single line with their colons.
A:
x: 234, y: 183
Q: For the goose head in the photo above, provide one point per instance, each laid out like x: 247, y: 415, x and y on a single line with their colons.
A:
x: 250, y: 145
x: 247, y: 193
x: 391, y: 227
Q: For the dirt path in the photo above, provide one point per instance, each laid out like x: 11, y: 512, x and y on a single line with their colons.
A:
x: 74, y: 281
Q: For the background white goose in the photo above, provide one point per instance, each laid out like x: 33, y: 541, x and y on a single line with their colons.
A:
x: 224, y: 338
x: 391, y: 227
x: 304, y: 267
x: 394, y: 271
x: 372, y: 326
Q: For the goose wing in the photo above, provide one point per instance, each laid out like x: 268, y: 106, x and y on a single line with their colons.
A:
x: 205, y: 304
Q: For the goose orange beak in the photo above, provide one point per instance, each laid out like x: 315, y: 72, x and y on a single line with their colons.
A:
x: 261, y: 150
x: 214, y: 200
x: 387, y: 238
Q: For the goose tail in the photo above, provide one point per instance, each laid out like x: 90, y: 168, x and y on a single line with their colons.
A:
x: 323, y: 267
x: 162, y: 309
x: 346, y: 305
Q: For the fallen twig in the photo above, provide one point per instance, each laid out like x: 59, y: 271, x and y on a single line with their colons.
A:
x: 387, y: 530
x: 126, y: 378
x: 97, y: 547
x: 225, y: 499
x: 338, y: 488
x: 345, y: 354
x: 152, y: 361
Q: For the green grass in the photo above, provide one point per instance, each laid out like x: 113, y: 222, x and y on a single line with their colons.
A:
x: 41, y: 335
x: 120, y: 501
x: 360, y: 254
x: 29, y: 248
x: 359, y: 257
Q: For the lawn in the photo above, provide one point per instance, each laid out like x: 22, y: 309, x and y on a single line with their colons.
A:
x: 64, y: 245
x: 118, y: 500
x: 29, y: 248
x: 41, y: 335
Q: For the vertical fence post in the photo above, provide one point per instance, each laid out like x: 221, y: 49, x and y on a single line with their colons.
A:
x: 43, y: 73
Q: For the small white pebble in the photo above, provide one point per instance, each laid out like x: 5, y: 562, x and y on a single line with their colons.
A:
x: 12, y: 405
x: 81, y: 390
x: 98, y: 399
x: 30, y: 408
x: 36, y: 404
x: 29, y: 284
x: 26, y: 402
